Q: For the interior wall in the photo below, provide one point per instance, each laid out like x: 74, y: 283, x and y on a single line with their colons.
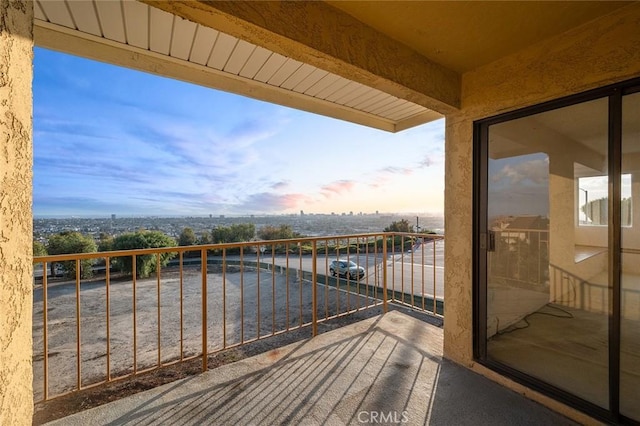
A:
x: 16, y: 268
x: 568, y: 289
x: 593, y: 55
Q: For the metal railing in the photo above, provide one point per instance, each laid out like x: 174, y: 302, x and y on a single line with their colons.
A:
x: 573, y: 291
x: 521, y: 256
x: 103, y: 320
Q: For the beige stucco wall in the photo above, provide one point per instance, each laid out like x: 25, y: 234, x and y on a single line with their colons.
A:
x: 16, y: 53
x: 593, y: 55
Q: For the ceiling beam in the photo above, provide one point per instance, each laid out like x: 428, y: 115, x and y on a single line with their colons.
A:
x: 316, y: 33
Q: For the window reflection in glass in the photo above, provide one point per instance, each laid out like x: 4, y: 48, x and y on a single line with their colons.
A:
x: 547, y: 301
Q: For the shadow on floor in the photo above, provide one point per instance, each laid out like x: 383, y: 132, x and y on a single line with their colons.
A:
x: 384, y: 370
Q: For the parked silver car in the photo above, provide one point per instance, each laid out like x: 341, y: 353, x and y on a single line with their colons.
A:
x: 347, y: 269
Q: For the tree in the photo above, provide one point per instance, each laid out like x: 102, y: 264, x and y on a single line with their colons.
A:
x: 399, y: 226
x: 243, y: 232
x: 235, y: 233
x: 282, y: 232
x: 68, y: 242
x: 187, y: 237
x: 205, y: 238
x: 268, y: 232
x: 145, y: 264
x: 220, y: 234
x: 405, y: 243
x: 105, y: 242
x: 39, y: 249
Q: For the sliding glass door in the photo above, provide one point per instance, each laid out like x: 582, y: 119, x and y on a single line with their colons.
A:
x: 630, y: 279
x: 558, y: 249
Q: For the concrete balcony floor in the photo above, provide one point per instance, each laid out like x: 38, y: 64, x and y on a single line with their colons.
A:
x: 384, y: 370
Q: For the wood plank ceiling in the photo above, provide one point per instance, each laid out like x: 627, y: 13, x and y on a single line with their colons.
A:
x: 138, y: 26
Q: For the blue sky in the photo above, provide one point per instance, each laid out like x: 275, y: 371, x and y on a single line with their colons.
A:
x: 113, y: 140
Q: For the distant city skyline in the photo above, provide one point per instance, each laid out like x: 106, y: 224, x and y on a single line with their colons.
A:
x: 114, y: 216
x: 308, y: 225
x: 109, y: 140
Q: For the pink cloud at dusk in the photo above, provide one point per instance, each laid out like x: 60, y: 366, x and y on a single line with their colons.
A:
x: 267, y: 201
x: 336, y: 188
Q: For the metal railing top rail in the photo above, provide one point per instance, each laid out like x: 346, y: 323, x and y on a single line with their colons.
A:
x: 521, y: 230
x: 221, y: 246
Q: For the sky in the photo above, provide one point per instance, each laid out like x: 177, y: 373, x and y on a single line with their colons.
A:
x: 518, y: 186
x: 110, y: 140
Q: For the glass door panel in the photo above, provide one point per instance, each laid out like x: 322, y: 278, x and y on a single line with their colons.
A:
x: 547, y: 285
x: 630, y: 279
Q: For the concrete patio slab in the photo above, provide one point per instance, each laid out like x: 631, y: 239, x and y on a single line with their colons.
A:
x: 385, y: 370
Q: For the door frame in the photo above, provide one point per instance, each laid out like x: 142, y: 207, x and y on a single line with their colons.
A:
x: 615, y: 94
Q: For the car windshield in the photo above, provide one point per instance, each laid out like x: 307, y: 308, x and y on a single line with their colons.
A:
x: 352, y: 265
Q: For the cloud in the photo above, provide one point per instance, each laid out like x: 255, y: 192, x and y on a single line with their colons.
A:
x: 519, y: 186
x: 384, y: 175
x: 217, y: 151
x: 174, y: 161
x: 248, y: 132
x: 48, y: 127
x: 429, y: 160
x: 270, y: 202
x: 337, y: 188
x: 397, y: 170
x: 77, y: 205
x: 278, y: 186
x: 532, y: 171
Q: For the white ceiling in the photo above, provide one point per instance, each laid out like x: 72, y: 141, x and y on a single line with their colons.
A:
x: 138, y: 27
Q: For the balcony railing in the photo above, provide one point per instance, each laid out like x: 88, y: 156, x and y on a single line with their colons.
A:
x: 124, y: 321
x: 520, y: 256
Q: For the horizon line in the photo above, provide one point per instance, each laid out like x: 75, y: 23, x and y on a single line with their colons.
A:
x: 235, y: 215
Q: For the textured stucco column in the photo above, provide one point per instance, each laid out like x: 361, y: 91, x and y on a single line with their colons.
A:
x: 16, y: 233
x: 458, y: 206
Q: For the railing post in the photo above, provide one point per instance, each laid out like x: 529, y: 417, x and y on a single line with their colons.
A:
x: 45, y: 336
x: 78, y: 328
x: 203, y: 262
x: 435, y: 303
x: 158, y: 267
x: 107, y: 282
x: 314, y: 288
x: 385, y: 308
x: 134, y: 273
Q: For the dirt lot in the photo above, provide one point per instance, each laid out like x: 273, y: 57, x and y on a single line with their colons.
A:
x: 252, y: 301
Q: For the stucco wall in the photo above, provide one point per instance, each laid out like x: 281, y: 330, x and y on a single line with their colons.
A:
x: 16, y: 54
x: 598, y: 53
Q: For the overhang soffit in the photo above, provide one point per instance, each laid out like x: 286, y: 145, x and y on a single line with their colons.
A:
x: 325, y: 37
